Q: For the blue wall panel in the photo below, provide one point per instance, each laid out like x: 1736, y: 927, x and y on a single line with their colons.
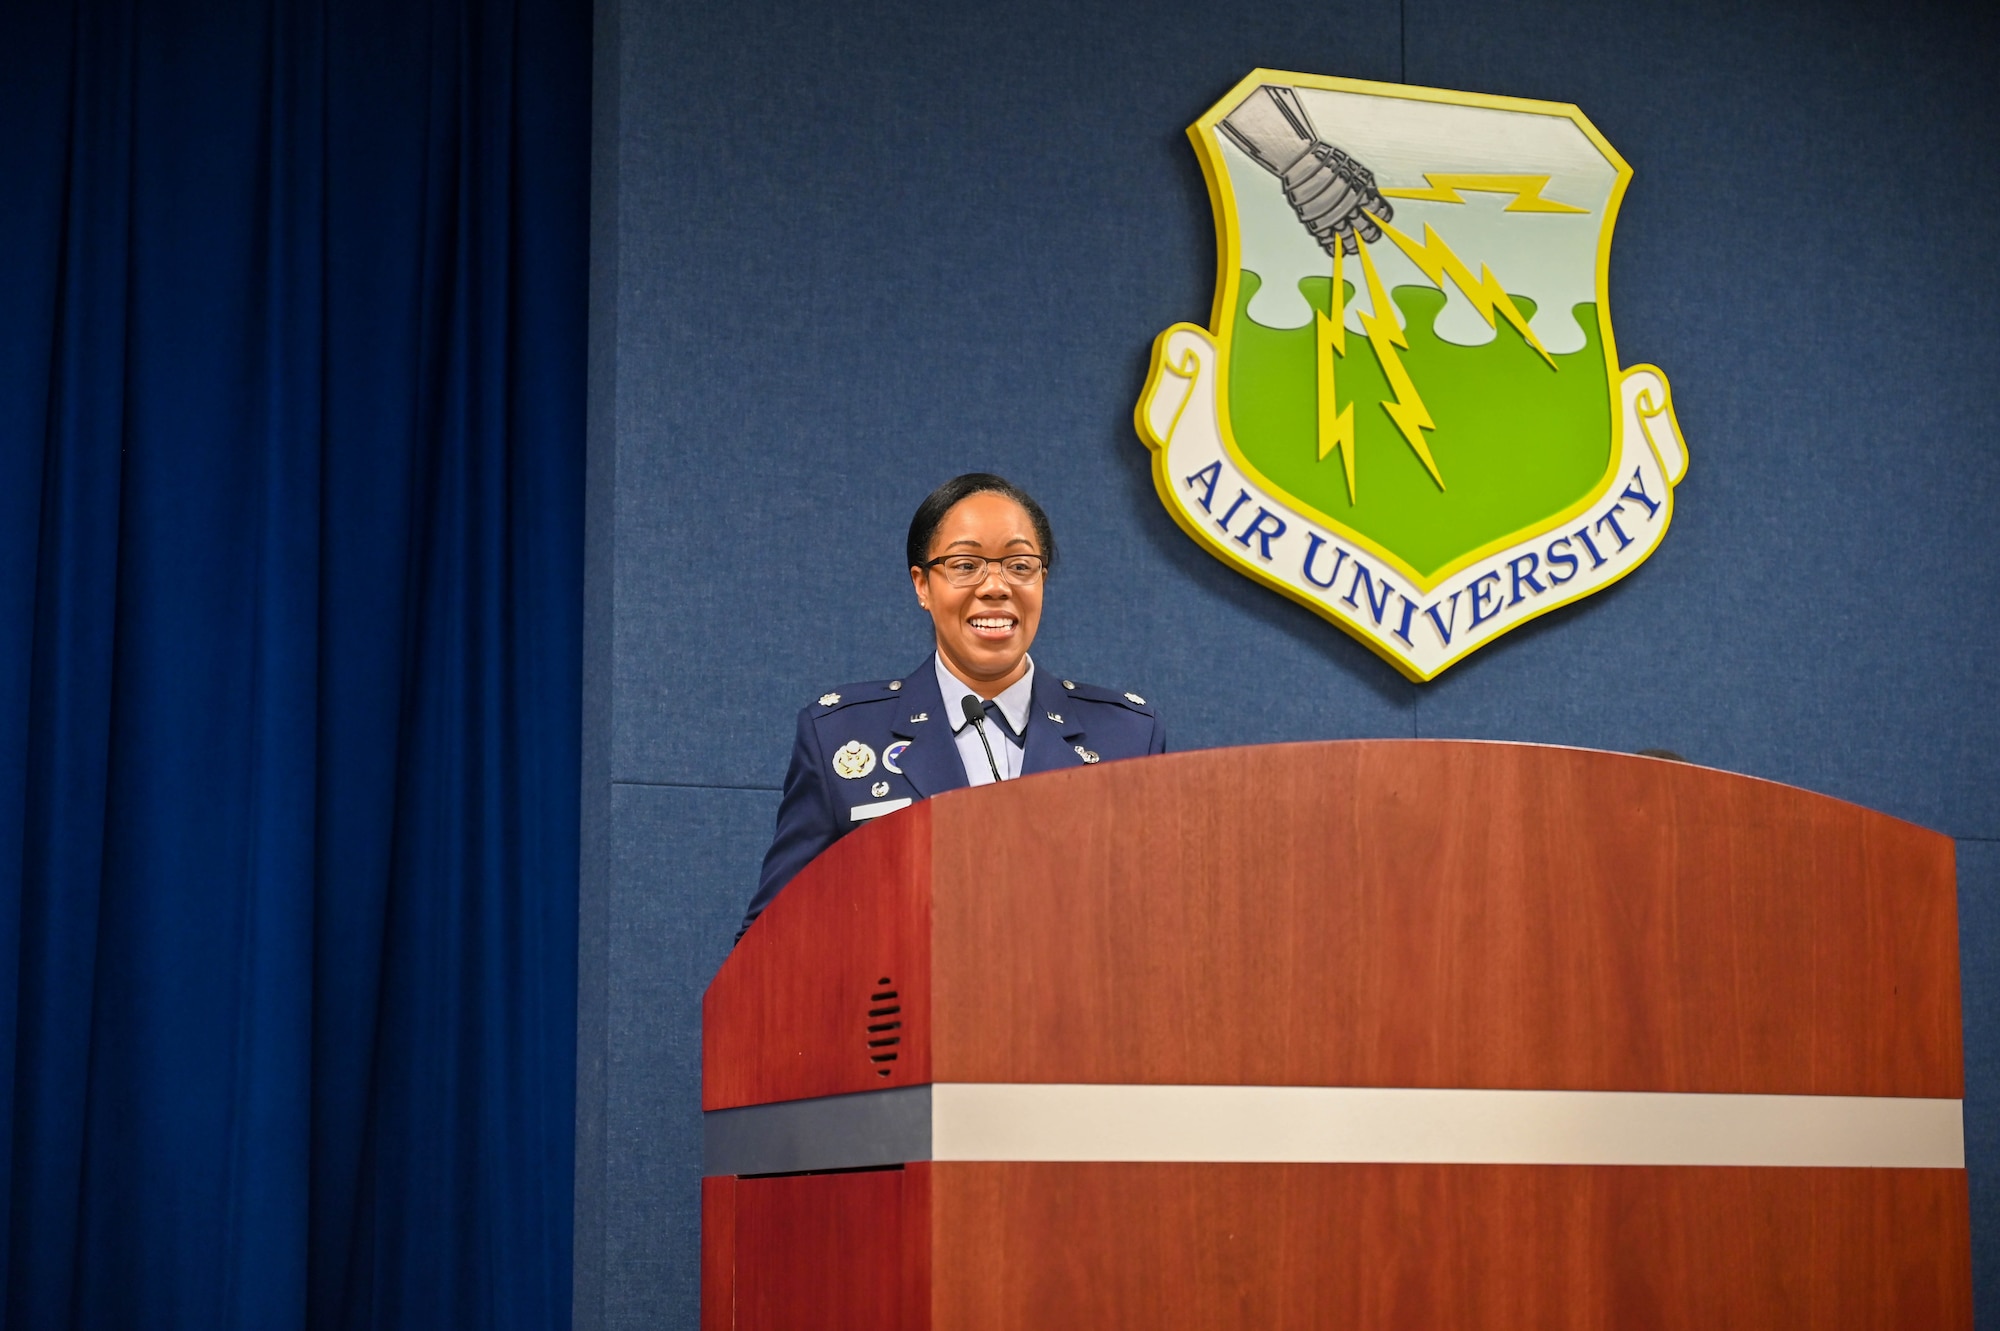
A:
x: 1819, y: 614
x: 675, y: 902
x: 844, y: 252
x: 866, y: 248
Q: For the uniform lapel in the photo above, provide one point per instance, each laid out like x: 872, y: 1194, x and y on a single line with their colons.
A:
x: 1051, y: 744
x: 931, y: 763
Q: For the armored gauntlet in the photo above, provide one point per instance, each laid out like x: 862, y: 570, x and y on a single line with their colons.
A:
x: 1333, y: 194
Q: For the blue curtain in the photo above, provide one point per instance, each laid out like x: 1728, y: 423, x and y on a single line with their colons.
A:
x: 292, y: 308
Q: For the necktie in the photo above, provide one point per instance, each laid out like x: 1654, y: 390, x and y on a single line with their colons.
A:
x: 999, y: 718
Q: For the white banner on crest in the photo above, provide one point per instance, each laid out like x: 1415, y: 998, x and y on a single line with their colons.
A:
x: 1420, y: 631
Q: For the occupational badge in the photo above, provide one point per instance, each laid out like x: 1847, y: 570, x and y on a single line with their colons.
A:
x: 1407, y: 411
x: 853, y: 760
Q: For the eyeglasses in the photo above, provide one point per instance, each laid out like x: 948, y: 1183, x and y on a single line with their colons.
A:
x: 970, y: 570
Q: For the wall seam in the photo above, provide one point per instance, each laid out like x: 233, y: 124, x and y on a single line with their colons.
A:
x: 589, y: 1206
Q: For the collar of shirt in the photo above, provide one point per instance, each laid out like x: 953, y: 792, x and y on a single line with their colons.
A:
x: 1014, y: 700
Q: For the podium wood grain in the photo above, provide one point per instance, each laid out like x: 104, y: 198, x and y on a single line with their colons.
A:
x: 1382, y: 913
x: 1159, y: 1247
x: 1176, y: 1247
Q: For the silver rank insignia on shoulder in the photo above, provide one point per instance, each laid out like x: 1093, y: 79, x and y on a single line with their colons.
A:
x: 1087, y: 755
x: 828, y: 699
x: 895, y: 684
x: 893, y: 752
x: 853, y: 760
x: 1056, y: 717
x: 879, y: 789
x: 1137, y: 699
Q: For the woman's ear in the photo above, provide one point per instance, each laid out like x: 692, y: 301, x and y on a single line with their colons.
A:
x: 917, y: 586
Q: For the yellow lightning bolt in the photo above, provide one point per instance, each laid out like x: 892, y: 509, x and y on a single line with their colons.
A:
x: 1407, y: 411
x: 1485, y: 292
x: 1336, y: 426
x: 1527, y: 191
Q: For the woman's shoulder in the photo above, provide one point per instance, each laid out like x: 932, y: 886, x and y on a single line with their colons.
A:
x: 1102, y: 721
x: 917, y: 693
x: 871, y: 702
x: 1124, y: 699
x: 851, y: 695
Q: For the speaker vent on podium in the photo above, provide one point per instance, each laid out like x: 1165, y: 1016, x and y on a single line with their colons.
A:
x: 884, y: 1021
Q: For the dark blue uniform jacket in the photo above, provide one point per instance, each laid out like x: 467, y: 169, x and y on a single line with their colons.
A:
x: 903, y: 751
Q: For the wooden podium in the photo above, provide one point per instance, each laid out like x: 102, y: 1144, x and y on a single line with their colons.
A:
x: 1383, y: 1034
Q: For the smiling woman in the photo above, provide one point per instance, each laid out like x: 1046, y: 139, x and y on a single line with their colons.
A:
x: 977, y: 711
x: 979, y: 559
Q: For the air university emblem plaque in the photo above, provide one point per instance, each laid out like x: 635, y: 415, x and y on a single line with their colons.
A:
x: 1407, y: 411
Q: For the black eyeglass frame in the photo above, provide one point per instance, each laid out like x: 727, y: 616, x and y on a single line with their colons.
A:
x: 986, y: 563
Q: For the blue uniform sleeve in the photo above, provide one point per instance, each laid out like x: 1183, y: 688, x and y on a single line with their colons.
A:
x: 806, y: 824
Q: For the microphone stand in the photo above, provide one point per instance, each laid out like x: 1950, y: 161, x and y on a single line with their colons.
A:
x: 977, y: 715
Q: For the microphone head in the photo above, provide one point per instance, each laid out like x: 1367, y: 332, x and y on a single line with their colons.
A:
x: 973, y: 711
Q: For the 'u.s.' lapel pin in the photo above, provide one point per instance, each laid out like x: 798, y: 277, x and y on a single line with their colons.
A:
x: 920, y: 716
x: 1056, y: 717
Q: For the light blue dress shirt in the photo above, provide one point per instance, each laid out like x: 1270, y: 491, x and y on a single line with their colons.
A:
x: 1014, y: 703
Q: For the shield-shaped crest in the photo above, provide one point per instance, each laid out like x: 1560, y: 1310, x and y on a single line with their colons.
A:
x: 1407, y: 411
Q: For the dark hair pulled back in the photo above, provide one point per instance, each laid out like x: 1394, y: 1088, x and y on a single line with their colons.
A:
x: 930, y: 513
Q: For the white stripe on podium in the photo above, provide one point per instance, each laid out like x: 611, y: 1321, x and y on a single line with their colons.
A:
x: 1313, y: 1124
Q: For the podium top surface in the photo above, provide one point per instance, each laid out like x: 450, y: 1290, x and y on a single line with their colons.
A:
x: 1414, y: 913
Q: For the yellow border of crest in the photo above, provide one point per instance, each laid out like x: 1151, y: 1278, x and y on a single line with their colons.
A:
x: 1222, y: 329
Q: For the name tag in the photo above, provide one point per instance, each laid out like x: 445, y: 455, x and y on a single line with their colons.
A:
x: 861, y: 813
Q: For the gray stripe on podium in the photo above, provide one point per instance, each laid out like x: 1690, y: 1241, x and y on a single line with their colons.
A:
x: 859, y: 1131
x: 1330, y: 1124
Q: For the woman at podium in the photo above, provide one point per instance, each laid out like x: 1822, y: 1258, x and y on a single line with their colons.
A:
x: 976, y: 710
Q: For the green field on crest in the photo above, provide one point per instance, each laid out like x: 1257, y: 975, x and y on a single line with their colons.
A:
x: 1516, y: 441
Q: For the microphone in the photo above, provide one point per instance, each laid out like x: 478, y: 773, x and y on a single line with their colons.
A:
x: 977, y: 715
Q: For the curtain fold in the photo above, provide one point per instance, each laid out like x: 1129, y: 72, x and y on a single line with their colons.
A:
x: 292, y: 325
